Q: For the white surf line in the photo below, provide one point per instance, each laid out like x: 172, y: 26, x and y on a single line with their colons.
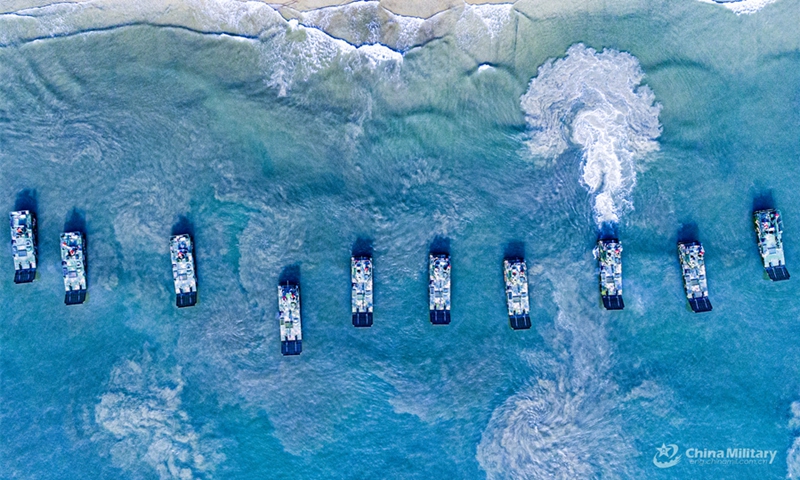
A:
x: 742, y: 7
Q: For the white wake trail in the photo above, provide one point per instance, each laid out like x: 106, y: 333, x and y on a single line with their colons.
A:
x: 594, y: 101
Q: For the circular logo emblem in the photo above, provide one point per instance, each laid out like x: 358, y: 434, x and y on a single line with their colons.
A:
x: 666, y: 456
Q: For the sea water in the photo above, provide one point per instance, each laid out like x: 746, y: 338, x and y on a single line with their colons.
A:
x: 280, y: 140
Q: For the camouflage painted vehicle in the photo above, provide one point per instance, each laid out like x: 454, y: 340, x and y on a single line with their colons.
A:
x: 289, y: 316
x: 73, y: 267
x: 609, y: 257
x: 361, y: 290
x: 516, y: 280
x: 23, y: 245
x: 439, y: 288
x: 183, y: 270
x: 769, y: 228
x: 693, y: 266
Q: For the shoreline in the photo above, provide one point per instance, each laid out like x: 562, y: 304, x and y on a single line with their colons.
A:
x: 409, y: 8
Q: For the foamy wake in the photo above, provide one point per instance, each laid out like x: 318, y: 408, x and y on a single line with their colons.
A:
x: 548, y: 432
x: 793, y: 454
x: 595, y: 101
x: 141, y: 419
x: 568, y: 422
x: 742, y: 7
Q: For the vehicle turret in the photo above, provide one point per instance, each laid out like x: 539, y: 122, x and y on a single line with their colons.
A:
x: 609, y: 258
x: 769, y: 230
x: 73, y: 267
x: 693, y: 266
x: 23, y: 245
x: 439, y: 288
x: 183, y: 270
x: 516, y: 280
x: 289, y: 317
x: 361, y: 290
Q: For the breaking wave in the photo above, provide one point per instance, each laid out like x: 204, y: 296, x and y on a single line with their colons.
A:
x: 594, y: 101
x: 295, y: 50
x: 367, y: 22
x: 296, y: 53
x: 478, y: 22
x: 140, y: 417
x: 292, y: 51
x: 357, y: 35
x: 742, y: 7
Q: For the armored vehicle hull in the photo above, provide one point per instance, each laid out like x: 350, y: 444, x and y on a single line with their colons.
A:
x: 439, y: 288
x: 609, y: 258
x: 183, y: 270
x: 769, y: 229
x: 516, y: 280
x: 693, y: 266
x: 73, y: 267
x: 361, y: 290
x: 23, y: 245
x: 290, y: 321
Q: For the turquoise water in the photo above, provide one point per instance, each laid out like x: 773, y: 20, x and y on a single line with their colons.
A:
x: 281, y: 147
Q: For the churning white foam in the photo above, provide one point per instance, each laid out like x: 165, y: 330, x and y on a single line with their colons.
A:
x: 292, y: 51
x: 362, y: 20
x: 742, y: 7
x: 494, y: 17
x: 367, y: 22
x: 594, y: 101
x: 298, y: 52
x: 140, y: 417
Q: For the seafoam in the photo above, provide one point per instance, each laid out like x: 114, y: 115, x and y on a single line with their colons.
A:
x: 594, y: 101
x: 742, y: 7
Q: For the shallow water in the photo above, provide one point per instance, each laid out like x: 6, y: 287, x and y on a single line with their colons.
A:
x: 281, y: 146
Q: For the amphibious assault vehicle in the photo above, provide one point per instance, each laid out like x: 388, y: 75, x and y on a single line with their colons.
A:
x: 23, y: 245
x: 516, y: 279
x: 693, y: 265
x: 769, y: 228
x: 289, y: 315
x: 439, y: 288
x: 609, y: 257
x: 361, y: 288
x: 73, y: 267
x: 183, y: 270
